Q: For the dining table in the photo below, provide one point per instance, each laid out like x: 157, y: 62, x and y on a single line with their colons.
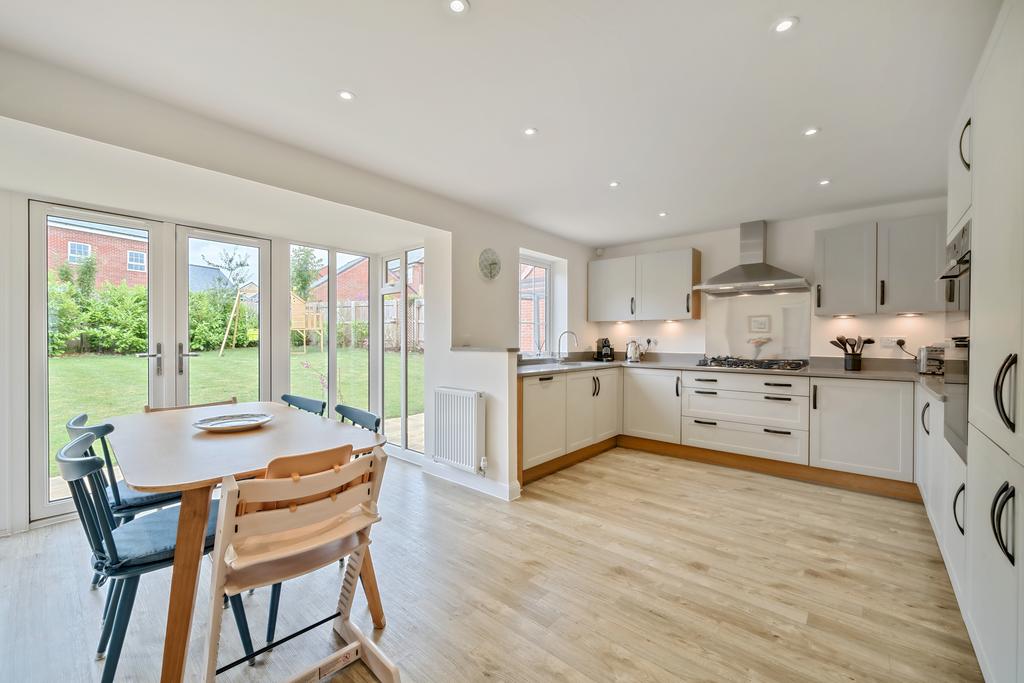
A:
x: 162, y: 451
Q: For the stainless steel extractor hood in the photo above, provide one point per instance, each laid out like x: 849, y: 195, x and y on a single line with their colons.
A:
x: 753, y: 275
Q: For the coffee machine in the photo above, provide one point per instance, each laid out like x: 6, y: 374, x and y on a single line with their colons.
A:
x: 605, y: 352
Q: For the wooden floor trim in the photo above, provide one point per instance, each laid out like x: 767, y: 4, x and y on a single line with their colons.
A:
x: 567, y: 460
x: 889, y: 488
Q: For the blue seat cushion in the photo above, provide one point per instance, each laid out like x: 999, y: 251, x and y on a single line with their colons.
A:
x: 151, y: 538
x: 130, y: 498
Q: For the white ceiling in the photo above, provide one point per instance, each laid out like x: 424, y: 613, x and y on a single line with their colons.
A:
x: 697, y: 108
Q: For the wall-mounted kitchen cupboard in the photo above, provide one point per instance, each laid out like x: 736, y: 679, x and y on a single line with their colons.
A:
x: 880, y: 267
x: 645, y: 287
x: 958, y: 168
x: 863, y: 426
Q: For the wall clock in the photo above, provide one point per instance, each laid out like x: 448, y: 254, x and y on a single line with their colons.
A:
x: 490, y: 263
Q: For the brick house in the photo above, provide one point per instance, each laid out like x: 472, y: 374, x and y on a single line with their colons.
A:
x: 122, y: 255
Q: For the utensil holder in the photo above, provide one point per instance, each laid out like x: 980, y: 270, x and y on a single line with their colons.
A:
x: 851, y: 361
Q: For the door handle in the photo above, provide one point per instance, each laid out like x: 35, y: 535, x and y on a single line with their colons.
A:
x: 679, y: 381
x: 182, y: 355
x: 546, y: 379
x: 687, y: 302
x: 818, y: 296
x: 995, y: 514
x: 593, y: 386
x: 598, y: 385
x: 997, y: 391
x: 778, y: 431
x: 632, y: 305
x: 158, y: 355
x: 814, y: 397
x: 960, y: 145
x: 710, y: 423
x: 777, y: 384
x: 702, y: 379
x: 923, y: 411
x: 702, y: 391
x: 956, y: 520
x: 777, y: 398
x: 881, y: 299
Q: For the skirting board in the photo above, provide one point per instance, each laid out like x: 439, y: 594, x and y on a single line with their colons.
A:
x: 888, y: 488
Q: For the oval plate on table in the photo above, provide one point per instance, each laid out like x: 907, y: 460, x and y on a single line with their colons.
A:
x: 239, y: 422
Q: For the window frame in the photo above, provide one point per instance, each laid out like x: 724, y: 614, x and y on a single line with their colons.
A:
x: 72, y: 257
x: 144, y: 264
x: 548, y: 267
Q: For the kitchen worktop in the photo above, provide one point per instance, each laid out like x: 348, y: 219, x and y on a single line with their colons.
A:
x: 932, y: 383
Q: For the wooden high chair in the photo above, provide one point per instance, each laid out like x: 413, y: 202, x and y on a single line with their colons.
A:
x: 274, y: 529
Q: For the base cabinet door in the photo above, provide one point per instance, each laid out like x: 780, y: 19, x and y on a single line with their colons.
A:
x: 863, y: 426
x: 608, y: 404
x: 543, y: 419
x: 580, y: 397
x: 953, y: 508
x: 651, y: 403
x: 787, y: 445
x: 993, y: 555
x: 921, y: 444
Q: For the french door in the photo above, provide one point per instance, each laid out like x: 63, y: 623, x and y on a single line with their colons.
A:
x: 403, y: 323
x: 126, y: 312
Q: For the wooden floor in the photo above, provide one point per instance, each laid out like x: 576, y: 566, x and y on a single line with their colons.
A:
x: 627, y: 567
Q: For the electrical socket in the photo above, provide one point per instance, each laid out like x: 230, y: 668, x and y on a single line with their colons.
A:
x: 890, y: 342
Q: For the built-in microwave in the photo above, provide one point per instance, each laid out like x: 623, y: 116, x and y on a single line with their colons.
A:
x: 957, y: 279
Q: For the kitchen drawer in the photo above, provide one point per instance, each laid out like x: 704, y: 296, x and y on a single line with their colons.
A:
x: 737, y: 381
x: 766, y: 410
x: 788, y: 445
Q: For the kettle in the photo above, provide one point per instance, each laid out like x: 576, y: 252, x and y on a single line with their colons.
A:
x: 633, y: 351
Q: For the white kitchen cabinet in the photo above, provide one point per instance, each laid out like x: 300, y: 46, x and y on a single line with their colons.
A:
x: 543, y: 419
x: 958, y: 168
x: 593, y: 411
x: 863, y: 426
x: 608, y: 404
x: 664, y: 285
x: 645, y: 287
x: 923, y: 468
x: 997, y: 239
x: 952, y: 508
x: 787, y: 445
x: 911, y: 256
x: 651, y: 403
x: 844, y: 270
x: 611, y: 289
x: 994, y: 581
x: 764, y: 409
x: 736, y: 381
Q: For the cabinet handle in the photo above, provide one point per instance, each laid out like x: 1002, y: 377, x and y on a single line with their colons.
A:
x: 814, y: 397
x: 706, y: 422
x: 1008, y: 493
x: 818, y: 296
x: 687, y: 302
x: 632, y: 305
x: 593, y: 386
x: 778, y: 398
x: 881, y: 298
x: 598, y: 385
x: 777, y: 384
x: 960, y: 145
x: 679, y: 380
x: 778, y: 431
x: 956, y: 520
x: 997, y: 391
x: 703, y: 379
x: 950, y: 291
x: 923, y: 411
x: 545, y: 379
x: 1004, y: 493
x: 702, y: 391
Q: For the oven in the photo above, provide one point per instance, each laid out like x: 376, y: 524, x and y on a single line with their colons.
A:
x: 957, y: 281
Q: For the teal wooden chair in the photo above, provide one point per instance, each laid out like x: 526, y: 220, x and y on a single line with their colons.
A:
x: 359, y: 417
x: 310, y: 405
x: 122, y: 553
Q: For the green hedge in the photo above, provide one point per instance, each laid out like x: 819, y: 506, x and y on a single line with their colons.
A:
x: 113, y: 319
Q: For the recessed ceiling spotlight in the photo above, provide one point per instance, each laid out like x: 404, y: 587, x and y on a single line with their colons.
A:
x: 783, y: 25
x: 813, y: 130
x: 662, y: 214
x: 346, y: 95
x: 459, y: 6
x: 613, y: 184
x: 530, y: 132
x: 824, y: 181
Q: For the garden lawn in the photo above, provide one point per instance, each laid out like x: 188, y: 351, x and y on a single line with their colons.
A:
x: 108, y: 385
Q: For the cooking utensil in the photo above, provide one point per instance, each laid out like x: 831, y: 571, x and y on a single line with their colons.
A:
x: 842, y: 340
x: 836, y: 344
x: 859, y: 345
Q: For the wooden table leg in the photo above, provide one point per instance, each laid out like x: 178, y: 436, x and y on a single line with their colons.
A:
x: 369, y: 580
x: 192, y: 519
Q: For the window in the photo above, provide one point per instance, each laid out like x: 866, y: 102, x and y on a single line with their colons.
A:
x: 78, y: 252
x: 137, y: 261
x: 534, y: 311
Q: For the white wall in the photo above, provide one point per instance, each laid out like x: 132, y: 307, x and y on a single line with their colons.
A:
x: 790, y: 245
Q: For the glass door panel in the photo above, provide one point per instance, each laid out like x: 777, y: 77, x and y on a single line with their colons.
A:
x: 414, y: 328
x: 391, y: 386
x: 223, y: 317
x: 91, y: 332
x: 352, y: 313
x: 309, y: 301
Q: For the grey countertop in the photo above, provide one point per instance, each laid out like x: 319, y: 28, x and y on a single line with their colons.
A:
x: 933, y: 384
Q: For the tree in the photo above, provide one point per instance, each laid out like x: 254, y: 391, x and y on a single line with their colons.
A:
x: 234, y: 264
x: 306, y: 267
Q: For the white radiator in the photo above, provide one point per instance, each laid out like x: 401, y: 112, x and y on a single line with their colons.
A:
x: 459, y: 429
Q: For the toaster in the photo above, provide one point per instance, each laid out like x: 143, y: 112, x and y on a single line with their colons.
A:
x: 931, y: 359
